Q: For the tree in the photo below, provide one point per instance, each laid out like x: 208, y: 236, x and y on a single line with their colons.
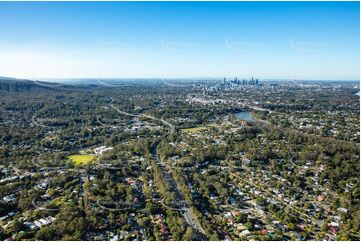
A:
x: 261, y: 201
x: 111, y: 218
x: 214, y: 237
x: 188, y: 234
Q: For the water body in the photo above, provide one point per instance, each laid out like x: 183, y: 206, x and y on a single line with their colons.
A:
x: 357, y: 93
x: 246, y: 116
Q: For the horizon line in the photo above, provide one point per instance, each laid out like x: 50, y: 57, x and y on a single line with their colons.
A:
x: 173, y: 78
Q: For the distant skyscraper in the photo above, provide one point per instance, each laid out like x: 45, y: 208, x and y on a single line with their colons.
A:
x: 251, y: 81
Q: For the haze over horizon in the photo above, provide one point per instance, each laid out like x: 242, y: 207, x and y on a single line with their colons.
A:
x: 267, y: 40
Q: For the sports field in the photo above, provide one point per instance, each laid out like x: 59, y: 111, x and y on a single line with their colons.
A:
x: 81, y: 159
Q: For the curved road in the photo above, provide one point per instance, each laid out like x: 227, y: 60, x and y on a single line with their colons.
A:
x: 171, y: 126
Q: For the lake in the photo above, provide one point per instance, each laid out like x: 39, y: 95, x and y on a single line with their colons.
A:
x: 247, y: 116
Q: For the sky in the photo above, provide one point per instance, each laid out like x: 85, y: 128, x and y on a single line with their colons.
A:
x: 269, y: 40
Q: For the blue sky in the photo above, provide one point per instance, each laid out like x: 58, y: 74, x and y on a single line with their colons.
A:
x: 286, y: 40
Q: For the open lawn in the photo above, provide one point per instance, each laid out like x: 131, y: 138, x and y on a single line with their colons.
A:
x: 195, y: 129
x: 81, y: 159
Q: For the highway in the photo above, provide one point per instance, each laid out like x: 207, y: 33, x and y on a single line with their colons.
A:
x: 165, y: 169
x: 185, y: 210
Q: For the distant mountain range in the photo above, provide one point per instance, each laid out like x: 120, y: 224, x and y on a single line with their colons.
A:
x: 9, y: 84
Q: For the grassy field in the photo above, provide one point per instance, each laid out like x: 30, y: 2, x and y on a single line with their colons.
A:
x: 81, y: 159
x: 195, y: 129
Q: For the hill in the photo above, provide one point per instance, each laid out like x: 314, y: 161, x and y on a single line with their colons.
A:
x: 8, y: 84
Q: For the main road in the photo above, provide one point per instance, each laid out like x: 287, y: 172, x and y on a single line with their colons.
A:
x: 165, y: 169
x: 185, y: 208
